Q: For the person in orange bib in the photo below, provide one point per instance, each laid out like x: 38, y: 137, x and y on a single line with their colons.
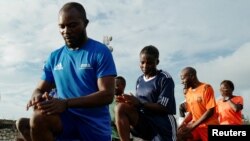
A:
x: 229, y: 107
x: 201, y: 105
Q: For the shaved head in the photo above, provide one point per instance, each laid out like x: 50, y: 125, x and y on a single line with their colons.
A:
x: 189, y: 77
x: 189, y: 70
x: 74, y: 5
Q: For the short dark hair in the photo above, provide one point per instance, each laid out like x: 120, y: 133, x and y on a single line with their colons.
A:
x: 191, y: 71
x: 122, y: 79
x: 78, y: 7
x: 150, y: 49
x: 229, y: 83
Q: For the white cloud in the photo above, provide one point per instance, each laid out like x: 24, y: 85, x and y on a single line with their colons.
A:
x: 234, y: 66
x: 213, y: 36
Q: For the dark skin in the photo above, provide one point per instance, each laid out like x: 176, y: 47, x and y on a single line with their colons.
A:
x: 190, y: 80
x: 183, y: 106
x: 46, y: 109
x: 119, y: 90
x: 126, y: 109
x: 119, y: 87
x: 182, y: 109
x: 227, y: 94
x: 73, y: 28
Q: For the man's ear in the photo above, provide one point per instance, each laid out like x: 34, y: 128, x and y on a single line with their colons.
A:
x: 158, y: 61
x: 86, y: 22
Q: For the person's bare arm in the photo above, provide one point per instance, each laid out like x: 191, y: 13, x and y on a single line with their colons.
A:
x: 186, y: 120
x: 37, y: 95
x: 155, y: 108
x: 236, y: 106
x: 204, y: 117
x: 103, y: 96
x: 182, y: 109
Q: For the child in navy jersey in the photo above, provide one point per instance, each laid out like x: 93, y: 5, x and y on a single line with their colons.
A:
x: 149, y: 114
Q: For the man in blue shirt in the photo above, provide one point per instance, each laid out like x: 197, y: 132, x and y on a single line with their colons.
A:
x: 83, y: 72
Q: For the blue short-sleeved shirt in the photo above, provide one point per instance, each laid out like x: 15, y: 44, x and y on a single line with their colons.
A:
x: 75, y: 73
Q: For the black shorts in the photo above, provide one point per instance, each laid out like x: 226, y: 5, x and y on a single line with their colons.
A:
x: 144, y: 128
x: 151, y: 127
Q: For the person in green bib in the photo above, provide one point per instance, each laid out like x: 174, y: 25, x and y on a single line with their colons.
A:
x: 120, y: 84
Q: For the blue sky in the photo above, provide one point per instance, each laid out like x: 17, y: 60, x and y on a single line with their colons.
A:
x: 212, y: 36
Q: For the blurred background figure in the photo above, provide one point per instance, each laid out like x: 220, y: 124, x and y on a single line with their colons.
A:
x: 182, y: 108
x: 229, y: 107
x: 182, y: 112
x: 120, y: 84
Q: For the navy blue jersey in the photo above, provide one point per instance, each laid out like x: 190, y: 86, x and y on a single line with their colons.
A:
x: 159, y: 89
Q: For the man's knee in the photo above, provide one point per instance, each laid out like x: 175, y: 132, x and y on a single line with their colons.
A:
x: 22, y: 124
x: 126, y: 111
x: 38, y: 120
x: 122, y: 107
